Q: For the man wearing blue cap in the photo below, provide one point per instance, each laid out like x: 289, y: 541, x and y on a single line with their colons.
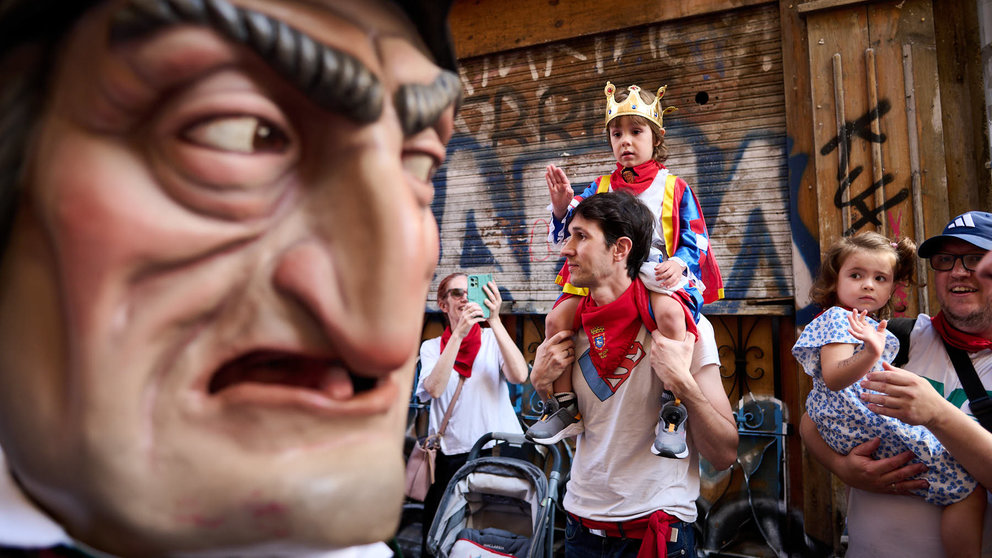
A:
x: 883, y: 520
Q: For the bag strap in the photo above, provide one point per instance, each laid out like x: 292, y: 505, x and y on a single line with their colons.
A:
x: 981, y: 404
x: 901, y: 328
x: 451, y: 406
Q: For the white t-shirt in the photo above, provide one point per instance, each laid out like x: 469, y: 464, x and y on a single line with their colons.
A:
x: 484, y: 403
x: 615, y: 477
x: 888, y: 526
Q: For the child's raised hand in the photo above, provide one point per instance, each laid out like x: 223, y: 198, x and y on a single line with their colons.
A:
x: 668, y: 273
x: 872, y: 337
x: 560, y: 190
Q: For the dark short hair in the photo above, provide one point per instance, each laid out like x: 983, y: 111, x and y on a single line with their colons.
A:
x: 620, y: 214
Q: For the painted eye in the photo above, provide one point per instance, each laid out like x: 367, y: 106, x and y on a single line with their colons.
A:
x: 420, y: 165
x: 240, y: 134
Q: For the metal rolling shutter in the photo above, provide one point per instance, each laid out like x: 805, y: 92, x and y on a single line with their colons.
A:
x: 527, y: 108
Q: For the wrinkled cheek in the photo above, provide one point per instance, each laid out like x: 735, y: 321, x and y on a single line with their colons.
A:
x: 99, y: 217
x: 432, y: 243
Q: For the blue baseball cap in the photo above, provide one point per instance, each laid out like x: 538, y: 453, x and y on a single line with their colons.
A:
x: 974, y: 227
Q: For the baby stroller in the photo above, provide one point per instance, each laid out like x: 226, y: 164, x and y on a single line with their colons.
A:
x: 497, y: 506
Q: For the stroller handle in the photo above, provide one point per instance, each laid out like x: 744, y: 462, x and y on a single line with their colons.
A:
x: 517, y: 440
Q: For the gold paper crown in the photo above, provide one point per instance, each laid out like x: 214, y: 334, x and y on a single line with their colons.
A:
x: 633, y: 105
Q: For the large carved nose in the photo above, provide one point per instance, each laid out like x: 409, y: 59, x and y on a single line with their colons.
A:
x: 363, y: 266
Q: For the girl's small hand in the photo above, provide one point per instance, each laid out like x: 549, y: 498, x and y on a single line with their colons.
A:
x: 668, y: 273
x: 493, y: 300
x: 872, y: 337
x: 560, y: 190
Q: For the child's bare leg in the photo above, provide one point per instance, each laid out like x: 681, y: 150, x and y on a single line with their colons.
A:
x: 961, y: 526
x: 668, y: 315
x: 561, y: 413
x: 560, y: 318
x: 669, y: 441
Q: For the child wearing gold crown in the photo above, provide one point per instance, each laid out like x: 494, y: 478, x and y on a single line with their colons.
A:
x: 680, y: 273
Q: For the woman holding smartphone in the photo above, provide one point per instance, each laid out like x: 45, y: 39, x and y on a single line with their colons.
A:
x: 487, y: 359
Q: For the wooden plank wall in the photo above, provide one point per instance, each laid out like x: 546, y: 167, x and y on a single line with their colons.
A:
x: 873, y: 148
x: 914, y: 72
x: 803, y: 473
x: 481, y: 27
x: 962, y: 99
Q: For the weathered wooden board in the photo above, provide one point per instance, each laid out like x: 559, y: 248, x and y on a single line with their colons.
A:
x: 486, y: 26
x: 962, y: 97
x: 877, y: 135
x: 900, y: 95
x: 904, y: 40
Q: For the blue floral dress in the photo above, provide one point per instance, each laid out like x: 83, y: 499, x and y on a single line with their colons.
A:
x: 844, y: 421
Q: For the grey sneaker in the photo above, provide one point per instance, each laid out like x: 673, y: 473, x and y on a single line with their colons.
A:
x: 557, y: 422
x: 670, y: 432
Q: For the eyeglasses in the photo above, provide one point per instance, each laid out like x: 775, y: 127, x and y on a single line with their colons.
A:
x: 457, y: 293
x: 945, y: 262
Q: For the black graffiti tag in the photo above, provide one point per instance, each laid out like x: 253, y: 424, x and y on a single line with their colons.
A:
x: 861, y: 128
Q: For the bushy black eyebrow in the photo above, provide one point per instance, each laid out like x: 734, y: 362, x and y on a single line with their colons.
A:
x: 332, y: 79
x: 421, y: 105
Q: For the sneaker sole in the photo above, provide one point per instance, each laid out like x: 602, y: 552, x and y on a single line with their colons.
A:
x: 680, y: 455
x: 573, y: 429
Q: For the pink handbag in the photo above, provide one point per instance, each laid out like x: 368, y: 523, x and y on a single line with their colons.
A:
x: 420, y: 465
x: 420, y: 468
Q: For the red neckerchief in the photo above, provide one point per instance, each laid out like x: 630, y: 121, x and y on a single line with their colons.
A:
x: 612, y: 328
x: 467, y: 351
x: 957, y: 338
x: 644, y: 176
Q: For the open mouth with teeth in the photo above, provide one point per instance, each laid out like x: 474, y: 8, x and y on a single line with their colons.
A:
x: 960, y: 289
x: 293, y: 370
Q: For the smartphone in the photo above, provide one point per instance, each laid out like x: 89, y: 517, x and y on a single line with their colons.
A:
x: 475, y: 292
